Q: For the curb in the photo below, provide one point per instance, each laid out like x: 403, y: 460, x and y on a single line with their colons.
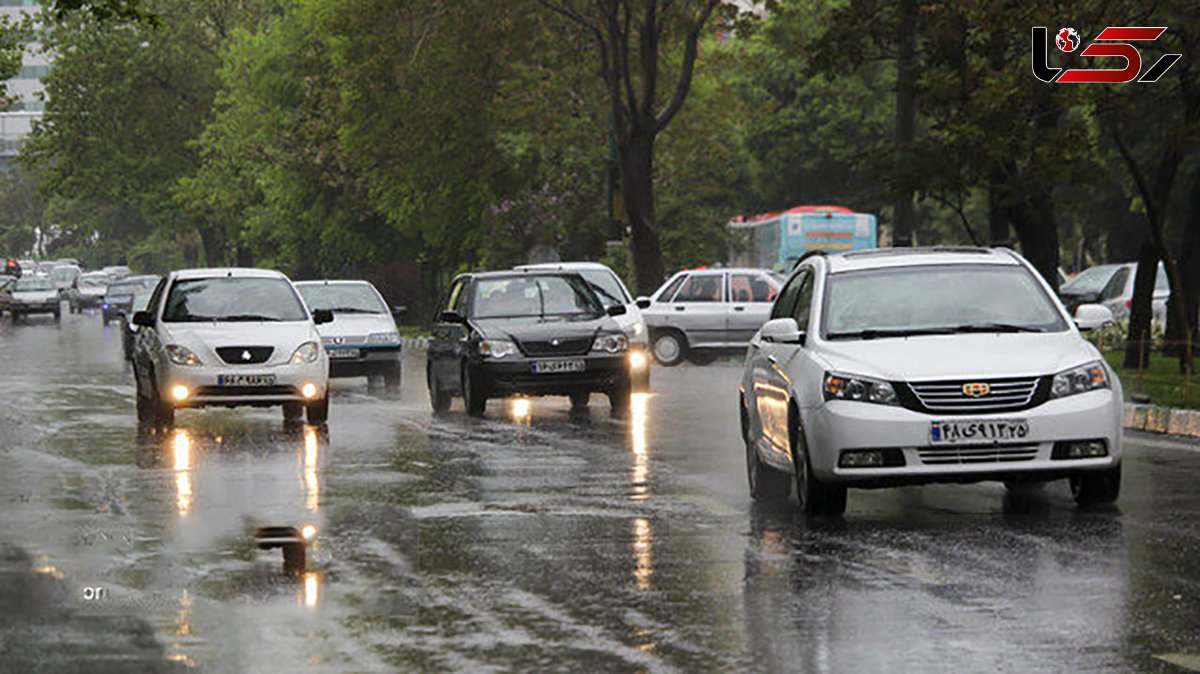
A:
x: 414, y: 343
x: 1153, y: 419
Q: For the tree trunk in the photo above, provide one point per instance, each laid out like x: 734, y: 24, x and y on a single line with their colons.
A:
x: 1137, y: 344
x: 906, y: 113
x: 1037, y: 231
x: 1188, y: 291
x: 999, y: 231
x: 637, y: 188
x: 213, y: 241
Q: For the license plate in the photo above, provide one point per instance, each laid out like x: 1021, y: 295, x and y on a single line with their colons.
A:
x: 554, y: 366
x: 978, y: 431
x: 245, y: 380
x: 343, y: 353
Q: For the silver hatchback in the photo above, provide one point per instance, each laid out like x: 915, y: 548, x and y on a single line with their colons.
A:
x: 699, y: 313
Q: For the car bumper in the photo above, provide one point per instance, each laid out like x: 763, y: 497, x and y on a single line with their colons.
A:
x: 843, y: 425
x: 370, y: 360
x: 27, y: 309
x: 205, y: 389
x: 516, y: 376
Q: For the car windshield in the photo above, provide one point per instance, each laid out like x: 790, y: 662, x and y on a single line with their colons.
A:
x: 606, y: 286
x: 93, y: 281
x: 34, y: 284
x: 342, y: 298
x: 63, y: 273
x: 119, y: 289
x: 233, y: 299
x: 528, y: 296
x: 1089, y: 281
x: 937, y: 299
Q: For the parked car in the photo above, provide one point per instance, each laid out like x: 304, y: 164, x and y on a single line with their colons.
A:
x: 88, y: 291
x: 698, y: 314
x: 129, y: 330
x: 118, y: 300
x: 1118, y: 293
x: 32, y: 295
x: 909, y: 366
x: 364, y: 340
x: 527, y: 333
x: 229, y: 338
x: 612, y: 291
x: 1086, y: 287
x: 6, y: 286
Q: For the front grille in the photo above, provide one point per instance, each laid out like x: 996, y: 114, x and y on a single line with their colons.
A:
x: 230, y: 391
x: 245, y: 355
x: 340, y: 341
x: 565, y: 347
x: 967, y: 454
x: 948, y: 397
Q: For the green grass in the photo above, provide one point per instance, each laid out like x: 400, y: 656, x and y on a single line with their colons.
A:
x: 1161, y: 379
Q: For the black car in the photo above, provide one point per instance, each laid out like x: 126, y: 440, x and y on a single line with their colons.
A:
x: 533, y: 333
x: 119, y: 297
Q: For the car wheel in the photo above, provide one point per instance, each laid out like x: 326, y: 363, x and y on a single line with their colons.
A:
x: 814, y: 496
x: 439, y: 399
x: 391, y: 378
x: 474, y: 396
x: 1096, y: 487
x: 164, y: 412
x: 580, y: 399
x: 318, y: 411
x: 145, y: 409
x: 767, y: 485
x: 619, y: 397
x: 670, y: 348
x: 292, y: 411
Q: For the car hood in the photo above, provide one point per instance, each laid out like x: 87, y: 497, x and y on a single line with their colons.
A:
x: 540, y: 329
x: 357, y: 325
x: 958, y: 356
x: 34, y: 296
x: 281, y: 335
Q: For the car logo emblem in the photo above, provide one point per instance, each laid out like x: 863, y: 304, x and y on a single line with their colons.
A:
x: 246, y: 355
x: 338, y: 340
x: 976, y: 389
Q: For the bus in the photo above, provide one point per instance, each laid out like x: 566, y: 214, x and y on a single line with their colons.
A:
x: 777, y: 240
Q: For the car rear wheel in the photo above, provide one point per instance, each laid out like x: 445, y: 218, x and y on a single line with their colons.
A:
x: 767, y: 485
x: 814, y: 497
x: 318, y: 411
x: 670, y: 348
x: 474, y: 395
x: 439, y: 399
x: 1096, y: 487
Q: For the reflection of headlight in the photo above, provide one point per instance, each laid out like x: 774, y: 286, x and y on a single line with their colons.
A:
x: 863, y: 389
x: 611, y: 343
x: 383, y: 338
x: 497, y: 348
x: 181, y: 355
x: 637, y: 329
x: 1079, y: 380
x: 306, y: 353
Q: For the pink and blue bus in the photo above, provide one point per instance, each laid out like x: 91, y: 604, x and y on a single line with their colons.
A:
x: 777, y: 240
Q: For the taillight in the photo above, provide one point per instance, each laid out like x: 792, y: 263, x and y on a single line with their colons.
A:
x: 1128, y: 304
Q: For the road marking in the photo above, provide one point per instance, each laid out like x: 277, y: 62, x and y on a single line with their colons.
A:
x: 1189, y: 662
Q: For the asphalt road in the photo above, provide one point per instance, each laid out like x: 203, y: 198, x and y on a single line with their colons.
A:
x: 535, y: 539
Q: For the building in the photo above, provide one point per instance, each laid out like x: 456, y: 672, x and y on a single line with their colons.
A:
x: 17, y: 122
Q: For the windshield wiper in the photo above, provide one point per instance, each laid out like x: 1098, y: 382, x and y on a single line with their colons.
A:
x: 352, y: 310
x: 245, y: 318
x: 872, y: 333
x: 996, y: 327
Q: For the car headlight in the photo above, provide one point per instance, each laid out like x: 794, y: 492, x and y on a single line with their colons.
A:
x: 637, y: 329
x: 1079, y: 380
x: 181, y: 355
x: 383, y: 338
x: 498, y: 348
x: 862, y: 389
x: 610, y: 343
x: 307, y: 352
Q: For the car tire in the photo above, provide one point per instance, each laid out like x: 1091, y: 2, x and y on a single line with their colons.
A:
x: 813, y: 496
x: 318, y: 411
x: 145, y: 408
x: 580, y: 399
x: 670, y: 348
x: 767, y: 485
x: 619, y: 397
x: 163, y: 411
x: 474, y: 395
x: 293, y: 411
x: 439, y: 399
x: 391, y: 378
x: 1096, y: 487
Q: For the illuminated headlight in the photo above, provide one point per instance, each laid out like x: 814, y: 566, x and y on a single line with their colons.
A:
x: 1079, y: 380
x: 180, y: 393
x: 309, y: 390
x: 611, y: 343
x: 181, y: 355
x: 383, y: 338
x: 307, y: 352
x: 637, y: 360
x: 498, y: 348
x: 862, y: 389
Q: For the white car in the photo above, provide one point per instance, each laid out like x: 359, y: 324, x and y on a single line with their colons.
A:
x: 612, y: 291
x: 34, y: 295
x: 909, y: 366
x: 229, y: 338
x: 363, y: 341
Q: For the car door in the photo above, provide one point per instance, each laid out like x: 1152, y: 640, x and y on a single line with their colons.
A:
x: 448, y: 338
x: 771, y: 382
x: 698, y: 309
x: 1113, y: 294
x: 147, y: 342
x: 751, y: 295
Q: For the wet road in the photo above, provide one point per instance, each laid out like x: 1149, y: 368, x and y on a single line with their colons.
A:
x: 538, y: 539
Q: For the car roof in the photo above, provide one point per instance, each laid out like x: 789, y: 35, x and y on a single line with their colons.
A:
x: 232, y: 272
x: 879, y: 258
x: 731, y: 270
x: 333, y: 282
x: 563, y: 266
x: 517, y: 273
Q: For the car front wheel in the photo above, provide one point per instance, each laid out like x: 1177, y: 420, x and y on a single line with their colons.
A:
x: 1096, y: 487
x: 814, y: 497
x: 439, y: 399
x: 318, y: 411
x: 670, y: 348
x: 474, y: 395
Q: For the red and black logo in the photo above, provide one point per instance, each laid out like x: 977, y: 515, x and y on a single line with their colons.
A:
x: 1112, y: 41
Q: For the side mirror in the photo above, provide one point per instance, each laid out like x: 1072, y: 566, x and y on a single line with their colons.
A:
x: 1092, y: 316
x: 451, y: 317
x: 616, y: 310
x: 642, y: 302
x: 322, y: 316
x: 143, y: 319
x: 782, y: 331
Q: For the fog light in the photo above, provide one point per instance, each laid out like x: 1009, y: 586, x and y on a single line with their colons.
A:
x: 308, y: 531
x: 180, y: 393
x: 637, y: 360
x: 871, y: 458
x: 309, y: 390
x: 1079, y: 449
